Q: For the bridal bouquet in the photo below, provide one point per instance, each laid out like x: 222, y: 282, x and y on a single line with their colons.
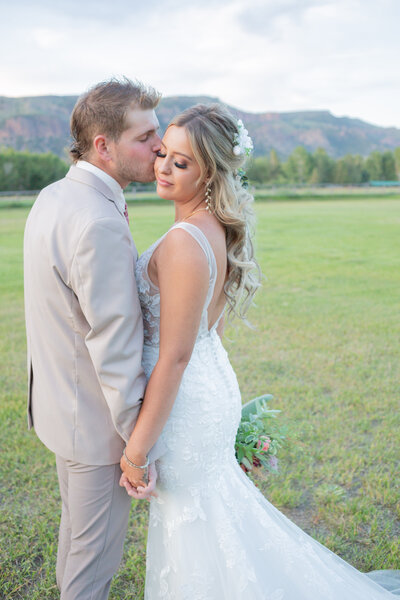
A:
x: 259, y: 437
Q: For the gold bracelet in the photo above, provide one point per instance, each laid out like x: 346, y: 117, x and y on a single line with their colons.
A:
x: 132, y: 464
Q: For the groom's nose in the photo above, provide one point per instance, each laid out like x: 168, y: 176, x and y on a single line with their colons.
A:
x: 157, y: 143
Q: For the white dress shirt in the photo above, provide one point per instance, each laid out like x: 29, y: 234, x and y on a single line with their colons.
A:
x: 108, y: 180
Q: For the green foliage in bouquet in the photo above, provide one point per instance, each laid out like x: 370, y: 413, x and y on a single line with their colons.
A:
x: 259, y: 437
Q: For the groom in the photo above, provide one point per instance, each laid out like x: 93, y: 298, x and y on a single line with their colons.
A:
x: 84, y: 327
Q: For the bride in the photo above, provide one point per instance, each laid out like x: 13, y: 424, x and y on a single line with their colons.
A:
x: 212, y: 534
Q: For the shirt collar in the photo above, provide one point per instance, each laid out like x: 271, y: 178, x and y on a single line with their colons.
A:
x: 108, y: 180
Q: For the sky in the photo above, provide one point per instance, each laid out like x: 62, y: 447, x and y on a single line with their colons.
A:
x: 256, y: 55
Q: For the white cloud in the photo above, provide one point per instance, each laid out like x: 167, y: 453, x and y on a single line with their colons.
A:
x: 47, y: 38
x: 259, y: 55
x: 268, y: 16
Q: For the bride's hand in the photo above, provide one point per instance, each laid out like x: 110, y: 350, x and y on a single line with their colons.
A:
x: 141, y: 493
x: 134, y: 475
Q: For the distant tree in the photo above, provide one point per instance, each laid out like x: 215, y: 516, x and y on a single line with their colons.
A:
x: 299, y: 166
x: 9, y: 175
x: 26, y: 171
x: 275, y: 167
x: 361, y: 169
x: 374, y: 165
x: 258, y: 170
x: 342, y: 175
x: 389, y: 166
x: 350, y: 170
x: 324, y: 167
x: 396, y: 154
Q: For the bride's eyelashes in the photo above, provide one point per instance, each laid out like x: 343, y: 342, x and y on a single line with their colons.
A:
x: 177, y: 164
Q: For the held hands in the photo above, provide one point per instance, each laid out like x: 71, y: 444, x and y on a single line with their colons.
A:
x: 133, y: 478
x: 135, y: 474
x: 141, y: 493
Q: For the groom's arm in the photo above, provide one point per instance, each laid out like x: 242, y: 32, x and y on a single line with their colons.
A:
x: 102, y: 277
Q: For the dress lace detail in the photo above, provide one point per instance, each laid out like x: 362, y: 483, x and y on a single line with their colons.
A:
x: 212, y: 534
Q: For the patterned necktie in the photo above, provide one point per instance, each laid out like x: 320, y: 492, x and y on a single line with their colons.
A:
x: 126, y: 213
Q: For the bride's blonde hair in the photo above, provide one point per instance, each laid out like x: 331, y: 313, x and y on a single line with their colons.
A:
x: 211, y: 130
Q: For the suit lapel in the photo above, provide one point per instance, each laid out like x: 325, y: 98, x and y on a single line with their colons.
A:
x: 91, y: 180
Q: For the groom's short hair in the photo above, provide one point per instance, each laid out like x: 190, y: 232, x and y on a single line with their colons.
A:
x: 102, y: 110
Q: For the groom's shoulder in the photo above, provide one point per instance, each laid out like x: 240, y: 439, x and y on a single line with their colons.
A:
x: 74, y: 198
x: 73, y: 188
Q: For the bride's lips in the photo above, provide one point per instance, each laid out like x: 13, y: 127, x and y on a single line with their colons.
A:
x: 163, y: 182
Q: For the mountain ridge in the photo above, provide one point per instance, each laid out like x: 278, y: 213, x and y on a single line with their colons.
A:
x: 41, y: 124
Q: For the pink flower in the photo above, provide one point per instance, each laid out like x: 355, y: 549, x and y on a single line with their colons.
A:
x: 265, y: 442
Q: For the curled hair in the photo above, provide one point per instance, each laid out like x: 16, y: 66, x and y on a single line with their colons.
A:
x: 211, y: 130
x: 102, y: 110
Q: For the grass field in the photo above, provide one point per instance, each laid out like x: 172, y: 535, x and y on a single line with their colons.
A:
x: 326, y: 346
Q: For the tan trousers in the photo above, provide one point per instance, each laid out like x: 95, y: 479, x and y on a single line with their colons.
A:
x: 94, y: 519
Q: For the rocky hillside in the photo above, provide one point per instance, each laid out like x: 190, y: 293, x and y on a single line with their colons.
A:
x: 41, y: 124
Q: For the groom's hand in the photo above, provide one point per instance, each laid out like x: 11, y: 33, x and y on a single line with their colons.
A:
x: 142, y: 492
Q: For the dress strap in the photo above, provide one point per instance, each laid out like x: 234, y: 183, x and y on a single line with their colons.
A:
x: 205, y: 245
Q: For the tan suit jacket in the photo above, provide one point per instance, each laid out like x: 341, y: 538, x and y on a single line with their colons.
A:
x: 83, y: 322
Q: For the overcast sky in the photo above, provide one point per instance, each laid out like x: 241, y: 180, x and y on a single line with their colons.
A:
x: 257, y: 55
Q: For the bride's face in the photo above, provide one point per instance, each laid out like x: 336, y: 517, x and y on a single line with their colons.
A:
x: 176, y: 169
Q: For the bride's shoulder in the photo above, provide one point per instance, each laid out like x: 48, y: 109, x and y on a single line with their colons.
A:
x: 214, y: 232
x: 181, y: 243
x: 180, y: 259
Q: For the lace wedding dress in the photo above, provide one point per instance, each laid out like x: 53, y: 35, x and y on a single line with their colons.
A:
x: 212, y: 534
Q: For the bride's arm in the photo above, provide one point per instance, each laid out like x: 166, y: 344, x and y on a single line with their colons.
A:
x: 183, y: 278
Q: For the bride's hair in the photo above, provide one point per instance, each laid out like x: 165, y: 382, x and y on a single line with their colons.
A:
x: 212, y: 131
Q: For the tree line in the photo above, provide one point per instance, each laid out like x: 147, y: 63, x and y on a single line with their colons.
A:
x: 303, y: 167
x: 29, y: 171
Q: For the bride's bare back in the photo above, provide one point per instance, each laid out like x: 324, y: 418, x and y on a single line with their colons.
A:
x: 215, y: 234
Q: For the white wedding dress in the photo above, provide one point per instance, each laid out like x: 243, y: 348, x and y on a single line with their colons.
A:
x: 212, y: 534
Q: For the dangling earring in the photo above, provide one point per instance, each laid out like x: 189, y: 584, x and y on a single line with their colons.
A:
x: 208, y: 197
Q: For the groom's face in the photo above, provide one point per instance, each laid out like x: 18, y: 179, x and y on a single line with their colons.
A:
x: 133, y: 155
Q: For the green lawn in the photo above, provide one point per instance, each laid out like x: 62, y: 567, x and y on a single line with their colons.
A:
x: 326, y: 345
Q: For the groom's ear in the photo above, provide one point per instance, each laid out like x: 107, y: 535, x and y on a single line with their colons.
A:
x: 101, y: 147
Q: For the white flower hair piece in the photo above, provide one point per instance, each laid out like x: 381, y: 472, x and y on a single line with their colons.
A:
x: 242, y: 142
